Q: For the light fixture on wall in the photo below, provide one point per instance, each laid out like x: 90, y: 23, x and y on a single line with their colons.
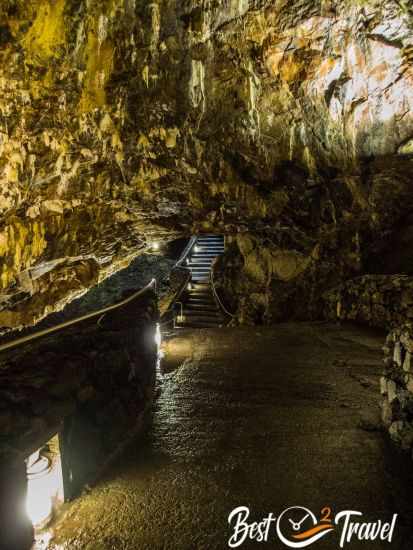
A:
x: 44, y: 484
x: 155, y: 246
x: 158, y: 336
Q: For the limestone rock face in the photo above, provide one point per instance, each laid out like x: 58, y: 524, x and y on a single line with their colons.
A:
x: 124, y: 121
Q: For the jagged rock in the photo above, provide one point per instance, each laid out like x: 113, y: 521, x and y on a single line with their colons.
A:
x: 125, y: 122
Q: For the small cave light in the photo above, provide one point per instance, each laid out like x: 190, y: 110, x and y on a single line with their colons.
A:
x: 44, y: 484
x: 158, y: 336
x: 155, y: 246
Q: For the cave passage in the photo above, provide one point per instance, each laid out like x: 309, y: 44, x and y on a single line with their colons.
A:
x: 264, y: 417
x: 279, y: 135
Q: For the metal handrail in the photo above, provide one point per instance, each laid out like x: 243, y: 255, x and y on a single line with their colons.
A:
x: 214, y: 290
x: 14, y: 343
x: 186, y: 251
x: 182, y: 310
x: 183, y: 257
x: 177, y: 295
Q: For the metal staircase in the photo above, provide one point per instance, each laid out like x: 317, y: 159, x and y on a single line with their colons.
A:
x: 198, y: 306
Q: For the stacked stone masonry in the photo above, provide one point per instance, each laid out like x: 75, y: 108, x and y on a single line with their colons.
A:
x: 383, y: 301
x: 92, y: 383
x: 397, y: 386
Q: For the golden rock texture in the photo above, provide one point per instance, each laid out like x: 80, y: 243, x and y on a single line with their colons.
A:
x: 126, y: 121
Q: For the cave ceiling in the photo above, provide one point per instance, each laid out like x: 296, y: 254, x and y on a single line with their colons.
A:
x: 122, y: 122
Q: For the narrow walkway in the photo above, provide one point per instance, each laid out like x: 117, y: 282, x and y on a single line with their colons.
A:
x: 199, y: 307
x: 260, y: 417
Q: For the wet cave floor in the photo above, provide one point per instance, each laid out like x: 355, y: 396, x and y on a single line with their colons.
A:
x: 261, y: 417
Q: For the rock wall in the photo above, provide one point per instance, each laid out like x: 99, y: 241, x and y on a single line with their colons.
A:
x: 73, y: 203
x: 91, y: 382
x: 123, y: 121
x: 384, y: 301
x: 264, y: 279
x: 397, y: 386
x: 323, y: 182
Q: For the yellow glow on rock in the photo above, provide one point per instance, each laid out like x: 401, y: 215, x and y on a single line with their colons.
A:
x: 47, y: 33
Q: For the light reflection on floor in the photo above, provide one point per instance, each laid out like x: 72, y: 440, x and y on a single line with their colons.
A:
x: 266, y: 417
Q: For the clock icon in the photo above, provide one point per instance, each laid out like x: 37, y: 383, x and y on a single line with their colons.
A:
x: 297, y: 527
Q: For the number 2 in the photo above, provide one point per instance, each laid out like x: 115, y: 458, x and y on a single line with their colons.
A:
x: 326, y: 514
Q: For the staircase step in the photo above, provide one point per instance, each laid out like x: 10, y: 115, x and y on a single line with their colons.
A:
x: 202, y: 288
x: 208, y: 255
x: 197, y: 324
x: 200, y: 309
x: 205, y: 256
x: 201, y: 298
x: 211, y: 306
x: 209, y: 242
x: 214, y: 248
x: 207, y: 311
x: 204, y: 316
x: 208, y: 261
x: 202, y: 304
x: 201, y: 301
x: 201, y: 261
x: 209, y: 245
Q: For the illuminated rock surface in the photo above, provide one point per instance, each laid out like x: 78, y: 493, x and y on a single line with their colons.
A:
x: 123, y: 121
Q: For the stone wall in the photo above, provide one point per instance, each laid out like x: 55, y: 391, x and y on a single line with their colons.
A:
x: 92, y: 383
x: 397, y: 386
x: 383, y: 301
